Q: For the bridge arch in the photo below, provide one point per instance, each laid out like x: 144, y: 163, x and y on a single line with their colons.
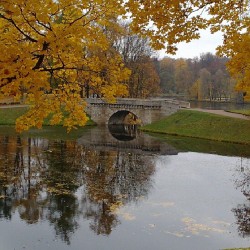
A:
x: 147, y: 110
x: 123, y: 117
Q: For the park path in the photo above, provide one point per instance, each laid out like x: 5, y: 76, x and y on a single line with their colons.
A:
x: 222, y: 112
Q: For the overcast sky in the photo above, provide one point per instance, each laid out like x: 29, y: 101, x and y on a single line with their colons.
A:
x: 207, y: 43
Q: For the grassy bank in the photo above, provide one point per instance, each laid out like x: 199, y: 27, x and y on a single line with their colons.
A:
x: 238, y: 249
x: 49, y: 132
x: 8, y: 116
x: 203, y: 125
x: 188, y: 144
x: 242, y: 112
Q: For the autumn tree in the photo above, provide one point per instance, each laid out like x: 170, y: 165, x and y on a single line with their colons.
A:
x: 166, y: 73
x: 195, y: 90
x: 215, y: 82
x: 239, y: 65
x: 182, y: 76
x: 144, y: 80
x: 219, y: 83
x: 137, y: 54
x: 206, y: 87
x: 44, y: 42
x: 175, y: 21
x: 201, y: 78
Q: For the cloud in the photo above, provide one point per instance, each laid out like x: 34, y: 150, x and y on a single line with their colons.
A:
x: 207, y: 43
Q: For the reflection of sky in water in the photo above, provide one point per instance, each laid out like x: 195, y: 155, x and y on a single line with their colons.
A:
x: 188, y: 205
x: 191, y: 204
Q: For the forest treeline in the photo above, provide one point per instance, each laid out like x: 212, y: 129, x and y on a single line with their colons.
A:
x: 201, y: 78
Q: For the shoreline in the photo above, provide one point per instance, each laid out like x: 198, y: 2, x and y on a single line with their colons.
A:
x: 203, y: 125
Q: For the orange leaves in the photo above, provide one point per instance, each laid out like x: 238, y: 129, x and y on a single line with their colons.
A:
x: 171, y: 22
x: 181, y: 20
x: 112, y: 91
x: 60, y: 108
x: 239, y: 65
x: 64, y: 46
x: 51, y: 49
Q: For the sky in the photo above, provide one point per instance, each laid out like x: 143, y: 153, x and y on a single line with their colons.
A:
x: 207, y: 43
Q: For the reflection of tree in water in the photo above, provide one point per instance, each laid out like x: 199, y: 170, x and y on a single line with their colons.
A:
x: 11, y: 174
x: 64, y: 167
x: 63, y: 213
x: 29, y: 168
x: 102, y: 220
x: 242, y: 212
x: 40, y: 178
x: 63, y: 177
x: 133, y: 176
x: 97, y: 199
x: 114, y: 179
x: 5, y: 203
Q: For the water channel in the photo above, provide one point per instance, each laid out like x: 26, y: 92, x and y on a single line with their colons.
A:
x: 93, y: 190
x: 219, y: 105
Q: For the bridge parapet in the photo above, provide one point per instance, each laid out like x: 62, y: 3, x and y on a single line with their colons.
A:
x: 147, y: 110
x: 134, y: 101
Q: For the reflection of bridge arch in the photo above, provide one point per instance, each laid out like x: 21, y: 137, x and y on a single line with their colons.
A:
x: 147, y: 111
x: 123, y: 132
x: 101, y: 139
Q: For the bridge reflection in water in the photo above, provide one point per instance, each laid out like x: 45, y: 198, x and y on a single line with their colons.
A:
x: 125, y: 138
x: 58, y: 191
x: 123, y: 132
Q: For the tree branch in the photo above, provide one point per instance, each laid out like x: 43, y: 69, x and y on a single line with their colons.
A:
x: 22, y: 32
x: 41, y: 57
x: 27, y: 21
x: 42, y: 24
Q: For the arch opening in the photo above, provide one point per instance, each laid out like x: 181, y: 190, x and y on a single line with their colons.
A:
x: 124, y: 117
x: 123, y: 125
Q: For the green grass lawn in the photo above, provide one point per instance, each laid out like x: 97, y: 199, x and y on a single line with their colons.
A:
x: 242, y: 112
x: 203, y: 125
x: 238, y: 249
x: 8, y: 116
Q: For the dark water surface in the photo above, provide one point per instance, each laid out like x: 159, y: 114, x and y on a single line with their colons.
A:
x: 90, y: 190
x: 219, y: 105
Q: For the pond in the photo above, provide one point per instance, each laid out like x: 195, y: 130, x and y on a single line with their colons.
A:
x: 219, y: 105
x: 93, y: 190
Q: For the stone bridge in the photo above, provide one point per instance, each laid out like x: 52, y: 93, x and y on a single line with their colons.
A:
x: 144, y: 110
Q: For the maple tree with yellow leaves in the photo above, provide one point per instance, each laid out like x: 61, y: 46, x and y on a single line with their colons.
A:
x: 51, y: 48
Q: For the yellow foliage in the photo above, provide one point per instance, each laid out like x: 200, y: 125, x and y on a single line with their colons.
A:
x: 46, y: 46
x: 239, y: 65
x: 58, y: 47
x: 175, y: 21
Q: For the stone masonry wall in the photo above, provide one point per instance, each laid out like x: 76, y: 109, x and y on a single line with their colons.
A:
x: 147, y: 111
